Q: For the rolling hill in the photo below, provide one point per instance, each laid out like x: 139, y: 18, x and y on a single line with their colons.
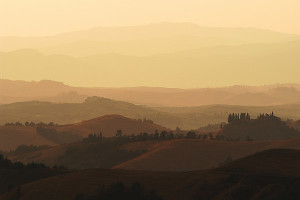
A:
x: 109, y: 124
x: 155, y: 155
x: 188, y: 155
x: 11, y: 178
x: 13, y: 136
x: 276, y: 157
x: 271, y: 174
x: 170, y: 117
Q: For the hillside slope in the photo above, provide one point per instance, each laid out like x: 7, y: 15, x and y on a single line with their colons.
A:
x: 283, y: 161
x: 155, y: 155
x: 187, y: 155
x: 109, y: 124
x: 11, y: 137
x: 247, y: 178
x: 64, y: 113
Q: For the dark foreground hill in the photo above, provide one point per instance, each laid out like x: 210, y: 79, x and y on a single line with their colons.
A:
x: 283, y: 161
x: 152, y: 155
x: 15, y: 174
x: 272, y: 174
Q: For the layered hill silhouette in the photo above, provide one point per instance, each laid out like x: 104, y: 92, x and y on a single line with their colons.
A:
x: 65, y: 113
x: 108, y: 125
x: 155, y: 38
x: 169, y: 117
x: 56, y: 92
x: 271, y: 174
x: 110, y: 69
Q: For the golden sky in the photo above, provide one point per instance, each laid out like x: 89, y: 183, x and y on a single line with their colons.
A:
x: 254, y: 64
x: 46, y: 17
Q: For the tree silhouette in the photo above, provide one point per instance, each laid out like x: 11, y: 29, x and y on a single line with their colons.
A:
x: 119, y: 133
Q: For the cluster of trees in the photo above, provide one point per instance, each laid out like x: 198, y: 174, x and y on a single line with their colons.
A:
x: 267, y: 116
x: 6, y: 163
x: 14, y: 124
x: 169, y: 135
x: 32, y: 124
x: 145, y: 120
x: 94, y: 137
x: 118, y: 191
x: 265, y: 127
x: 163, y: 135
x: 245, y: 116
x: 238, y: 116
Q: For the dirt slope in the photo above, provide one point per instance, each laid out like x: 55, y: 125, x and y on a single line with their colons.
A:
x: 11, y: 137
x: 174, y: 155
x: 109, y: 124
x: 187, y: 155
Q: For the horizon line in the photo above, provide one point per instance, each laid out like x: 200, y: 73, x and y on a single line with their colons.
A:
x: 146, y: 24
x: 145, y: 86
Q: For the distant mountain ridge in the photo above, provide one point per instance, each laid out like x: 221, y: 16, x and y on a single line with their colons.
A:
x: 181, y: 36
x: 240, y: 64
x: 136, y: 55
x: 56, y: 92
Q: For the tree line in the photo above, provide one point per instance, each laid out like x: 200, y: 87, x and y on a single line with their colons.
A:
x: 264, y: 127
x: 31, y: 124
x: 163, y: 135
x: 6, y: 163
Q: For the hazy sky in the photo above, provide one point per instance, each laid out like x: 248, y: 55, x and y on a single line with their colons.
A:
x: 44, y: 17
x: 48, y: 17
